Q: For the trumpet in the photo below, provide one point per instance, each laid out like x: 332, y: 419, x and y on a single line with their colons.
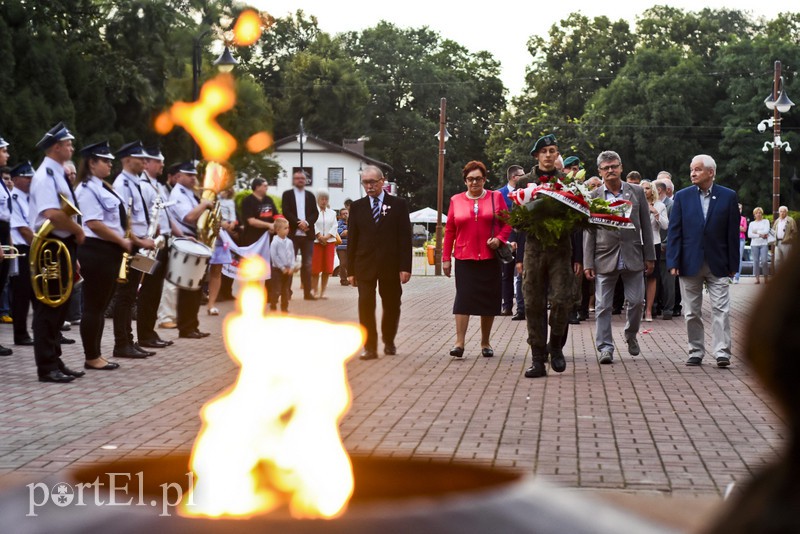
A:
x: 122, y: 277
x: 10, y: 252
x: 47, y: 256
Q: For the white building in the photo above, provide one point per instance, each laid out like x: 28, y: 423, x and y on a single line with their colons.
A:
x: 330, y: 166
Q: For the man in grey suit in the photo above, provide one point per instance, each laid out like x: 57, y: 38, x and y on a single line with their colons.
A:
x: 610, y: 254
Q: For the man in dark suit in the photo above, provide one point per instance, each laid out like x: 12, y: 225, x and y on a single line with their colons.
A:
x: 378, y: 254
x: 508, y: 270
x: 300, y: 209
x: 611, y: 254
x: 703, y: 247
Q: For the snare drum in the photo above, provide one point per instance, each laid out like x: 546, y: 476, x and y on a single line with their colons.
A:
x: 187, y: 263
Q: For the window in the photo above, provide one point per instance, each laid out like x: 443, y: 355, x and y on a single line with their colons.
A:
x: 336, y: 177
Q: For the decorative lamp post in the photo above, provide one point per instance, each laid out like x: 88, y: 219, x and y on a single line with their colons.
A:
x: 225, y: 63
x: 302, y: 138
x: 778, y: 102
x: 443, y: 136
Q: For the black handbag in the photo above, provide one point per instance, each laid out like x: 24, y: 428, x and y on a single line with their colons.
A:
x: 505, y: 252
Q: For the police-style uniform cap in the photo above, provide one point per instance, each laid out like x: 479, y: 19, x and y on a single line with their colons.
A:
x: 57, y: 133
x: 187, y: 167
x: 545, y: 140
x: 133, y: 149
x: 572, y: 160
x: 3, y: 143
x: 22, y: 169
x: 97, y: 150
x: 154, y: 152
x: 174, y: 168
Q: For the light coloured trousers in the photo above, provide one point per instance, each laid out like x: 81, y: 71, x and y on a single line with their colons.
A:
x: 692, y: 301
x: 604, y: 298
x: 782, y: 253
x: 167, y: 308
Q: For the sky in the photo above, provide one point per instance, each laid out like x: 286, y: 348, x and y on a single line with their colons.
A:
x: 503, y: 30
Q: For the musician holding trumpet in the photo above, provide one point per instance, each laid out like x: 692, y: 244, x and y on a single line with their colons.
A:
x: 104, y: 222
x: 127, y: 187
x: 52, y: 268
x: 21, y: 237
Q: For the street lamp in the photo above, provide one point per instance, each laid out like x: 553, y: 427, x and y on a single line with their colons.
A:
x: 302, y: 138
x: 778, y: 102
x: 224, y: 63
x: 443, y: 136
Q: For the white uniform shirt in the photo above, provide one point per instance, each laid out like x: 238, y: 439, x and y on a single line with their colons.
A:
x: 127, y: 187
x: 5, y: 203
x: 99, y: 204
x: 19, y: 216
x: 48, y: 183
x: 185, y: 202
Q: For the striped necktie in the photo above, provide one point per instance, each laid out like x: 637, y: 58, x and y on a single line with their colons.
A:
x: 376, y: 209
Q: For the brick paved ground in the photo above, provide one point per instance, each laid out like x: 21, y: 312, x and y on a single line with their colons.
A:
x: 644, y: 424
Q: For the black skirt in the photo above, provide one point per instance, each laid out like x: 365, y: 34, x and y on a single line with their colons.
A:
x: 478, y: 287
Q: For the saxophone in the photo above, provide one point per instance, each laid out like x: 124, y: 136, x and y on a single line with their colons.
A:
x: 46, y: 258
x: 122, y: 277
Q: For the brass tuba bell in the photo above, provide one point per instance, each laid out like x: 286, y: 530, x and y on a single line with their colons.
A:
x: 48, y: 257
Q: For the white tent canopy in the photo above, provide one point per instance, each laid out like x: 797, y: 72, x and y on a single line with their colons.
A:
x: 425, y: 215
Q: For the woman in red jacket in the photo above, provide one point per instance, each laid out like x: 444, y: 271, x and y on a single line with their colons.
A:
x: 476, y: 228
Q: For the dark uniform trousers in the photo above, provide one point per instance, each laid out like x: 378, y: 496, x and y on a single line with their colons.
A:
x: 5, y: 239
x: 188, y: 308
x: 390, y: 290
x: 21, y: 294
x: 100, y: 261
x: 547, y: 270
x: 47, y: 322
x: 150, y: 297
x: 124, y: 299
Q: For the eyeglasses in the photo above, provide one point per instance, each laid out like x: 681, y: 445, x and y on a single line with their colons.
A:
x: 368, y: 183
x: 609, y: 167
x: 475, y: 179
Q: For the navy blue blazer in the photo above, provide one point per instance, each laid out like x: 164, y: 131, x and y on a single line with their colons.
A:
x: 691, y: 239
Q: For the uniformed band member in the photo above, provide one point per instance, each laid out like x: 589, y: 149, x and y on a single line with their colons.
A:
x: 100, y: 255
x: 152, y: 284
x: 548, y: 272
x: 49, y: 182
x: 128, y: 189
x: 185, y: 212
x: 5, y: 228
x: 169, y: 293
x: 21, y: 236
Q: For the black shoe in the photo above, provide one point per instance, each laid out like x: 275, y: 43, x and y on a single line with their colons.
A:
x: 487, y: 353
x: 536, y: 370
x: 145, y: 352
x: 518, y: 317
x: 69, y: 372
x: 110, y: 366
x: 390, y: 349
x: 4, y: 351
x: 197, y: 334
x: 368, y: 355
x: 506, y: 312
x: 128, y: 352
x: 457, y: 353
x: 694, y: 361
x: 153, y: 344
x: 723, y: 361
x: 66, y: 341
x: 57, y: 377
x: 583, y: 315
x: 167, y: 341
x: 574, y: 318
x: 557, y: 361
x: 25, y: 342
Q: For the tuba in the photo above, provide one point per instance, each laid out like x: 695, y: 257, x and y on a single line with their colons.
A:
x: 209, y: 222
x: 46, y: 258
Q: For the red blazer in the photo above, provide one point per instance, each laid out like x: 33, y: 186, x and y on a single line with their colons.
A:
x: 469, y: 235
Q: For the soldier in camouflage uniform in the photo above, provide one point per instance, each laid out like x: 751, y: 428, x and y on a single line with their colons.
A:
x: 548, y: 271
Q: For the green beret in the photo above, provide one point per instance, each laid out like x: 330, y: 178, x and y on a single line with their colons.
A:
x: 545, y: 140
x: 572, y: 160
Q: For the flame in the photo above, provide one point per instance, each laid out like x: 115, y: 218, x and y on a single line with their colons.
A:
x: 258, y: 142
x: 199, y: 118
x: 272, y: 440
x: 248, y: 28
x: 217, y: 178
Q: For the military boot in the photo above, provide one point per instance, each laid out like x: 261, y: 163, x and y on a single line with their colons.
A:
x: 538, y: 367
x: 557, y: 361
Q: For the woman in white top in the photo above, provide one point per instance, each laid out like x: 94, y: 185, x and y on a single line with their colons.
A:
x: 324, y: 244
x: 658, y: 221
x: 758, y: 231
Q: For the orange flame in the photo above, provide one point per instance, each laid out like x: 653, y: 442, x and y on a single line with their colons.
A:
x: 248, y: 28
x: 272, y: 440
x: 199, y: 118
x: 217, y: 178
x: 258, y: 142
